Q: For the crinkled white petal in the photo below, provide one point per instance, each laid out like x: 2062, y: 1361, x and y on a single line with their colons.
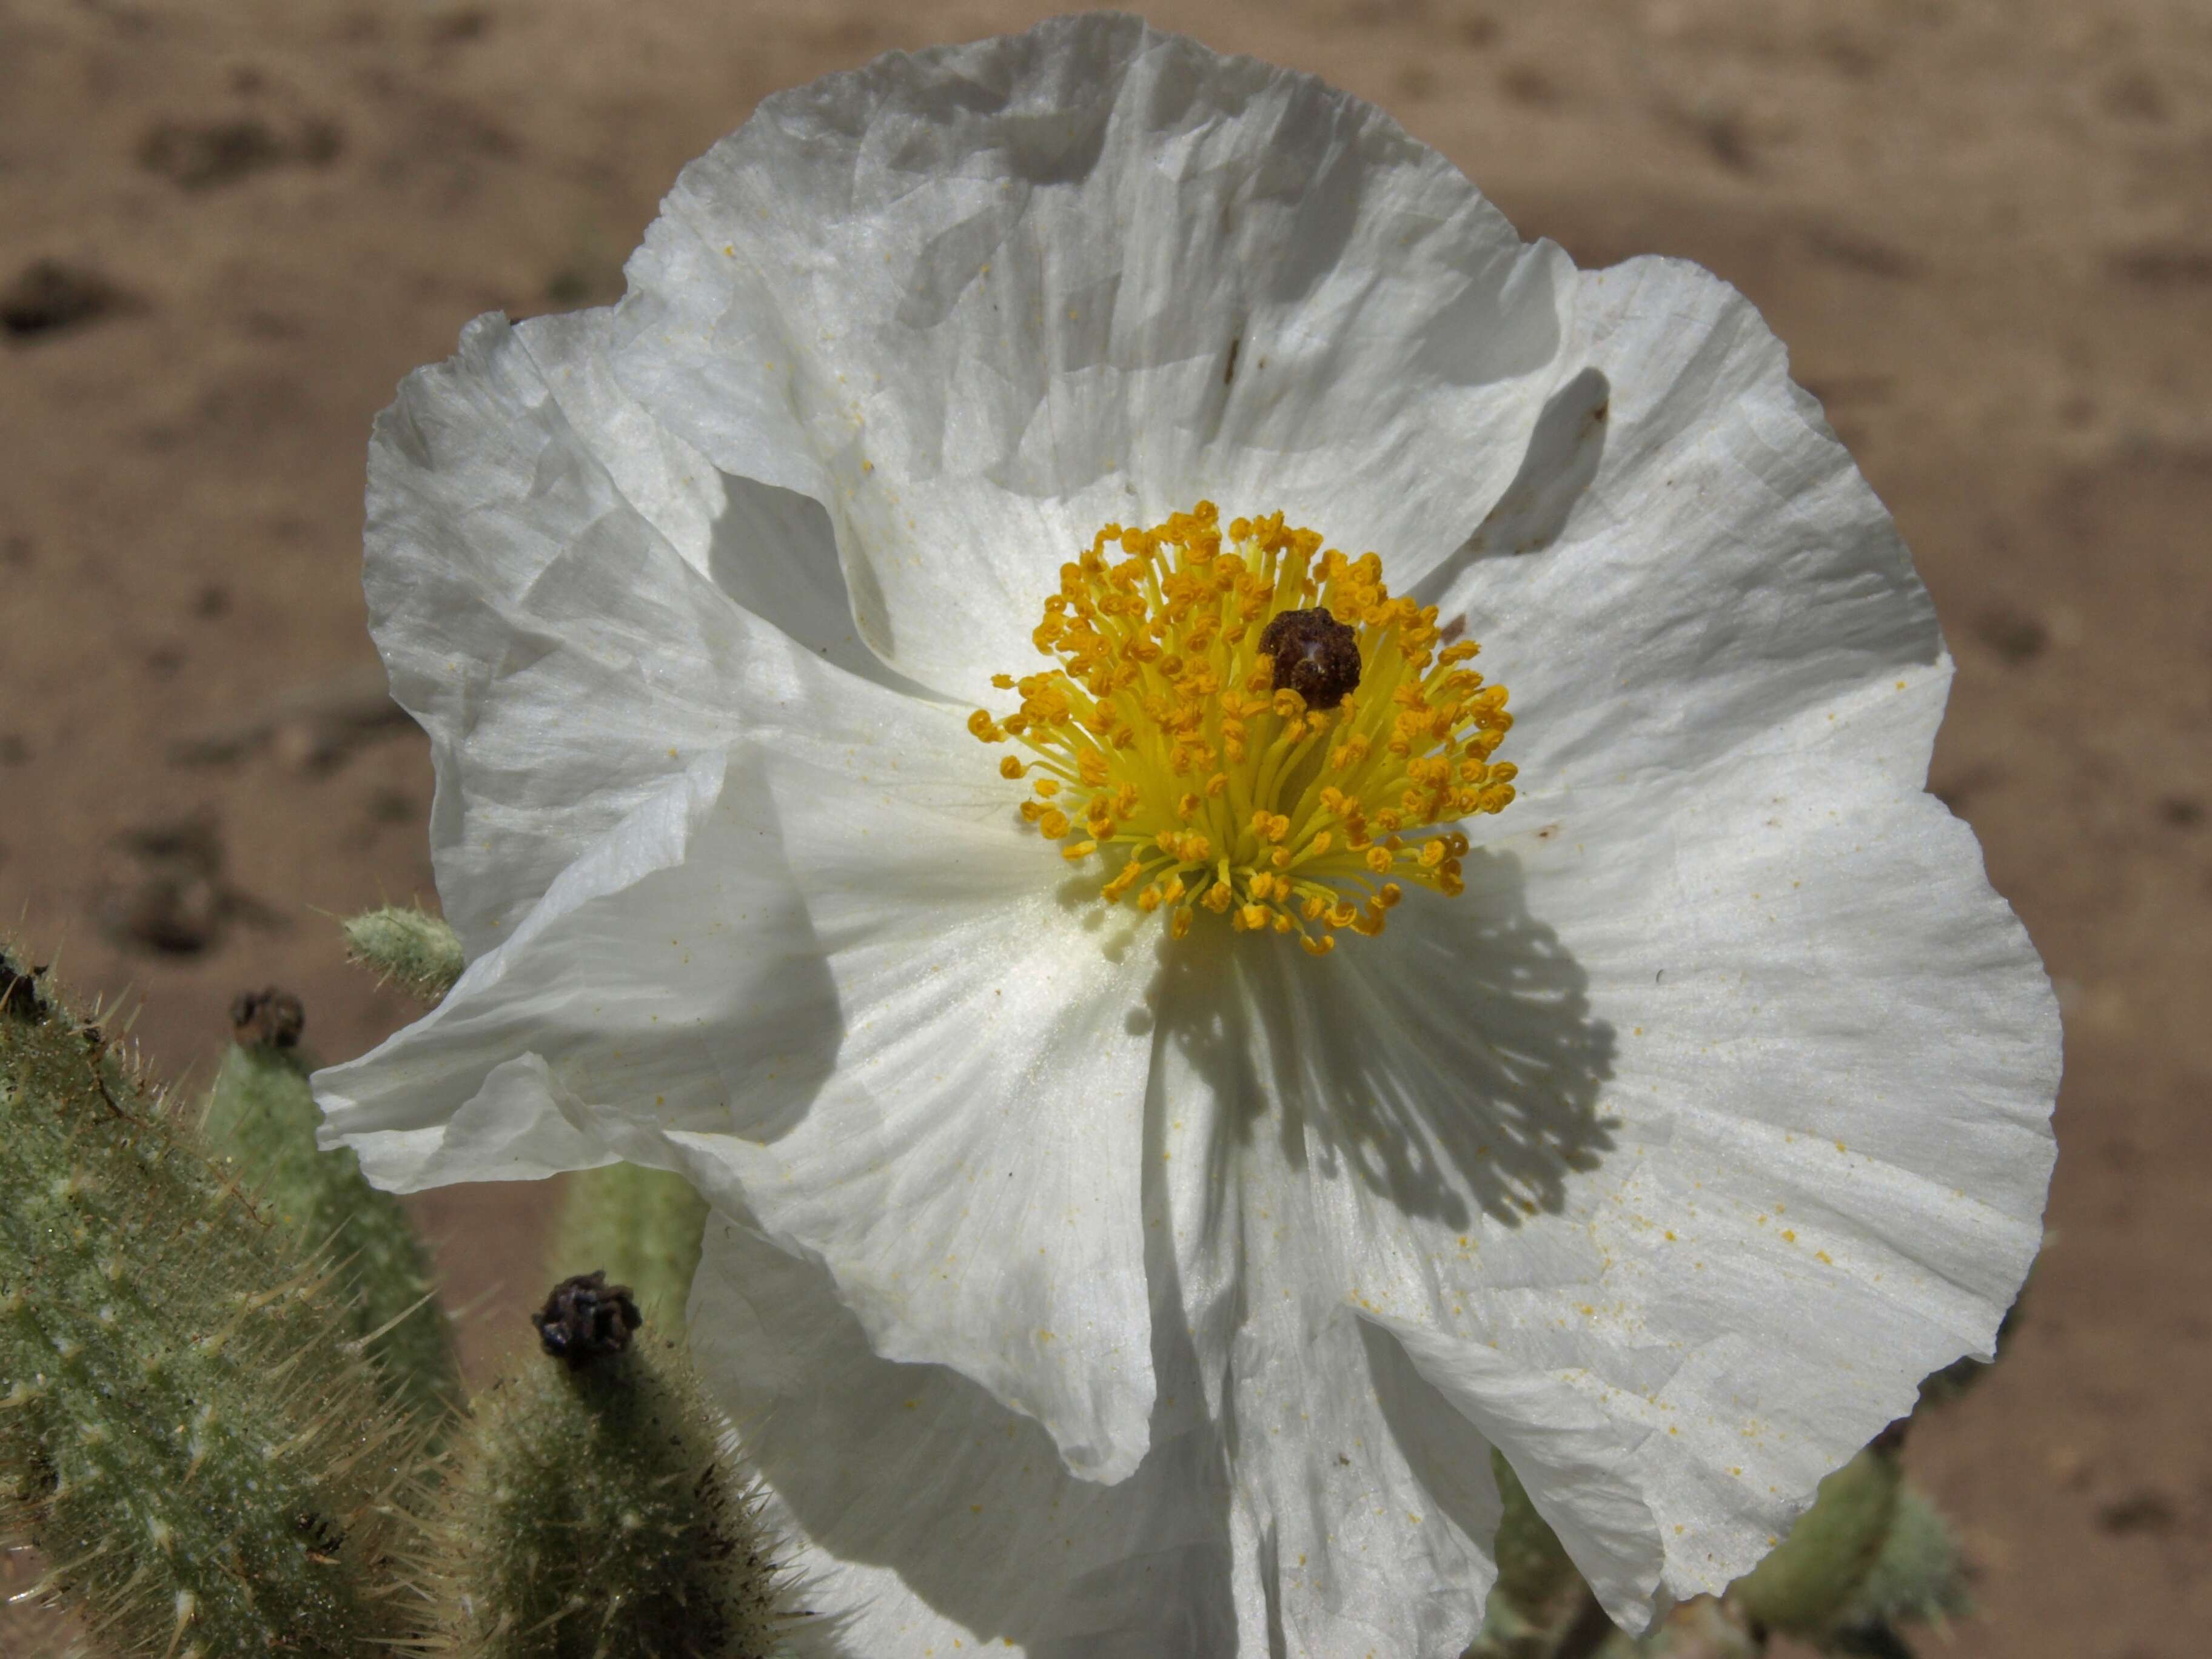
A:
x: 1366, y: 1491
x: 1837, y: 1055
x: 550, y: 578
x: 927, y: 1517
x: 979, y: 302
x: 930, y: 1513
x: 1687, y: 559
x: 1814, y: 1040
x: 1699, y: 1174
x: 849, y: 996
x: 1570, y: 1455
x: 982, y: 1158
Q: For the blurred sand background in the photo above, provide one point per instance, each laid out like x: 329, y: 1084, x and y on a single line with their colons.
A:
x: 227, y: 228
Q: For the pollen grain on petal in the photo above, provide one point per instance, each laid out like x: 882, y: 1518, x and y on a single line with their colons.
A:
x: 1241, y: 721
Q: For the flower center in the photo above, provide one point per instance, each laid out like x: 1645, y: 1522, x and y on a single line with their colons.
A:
x: 1251, y: 725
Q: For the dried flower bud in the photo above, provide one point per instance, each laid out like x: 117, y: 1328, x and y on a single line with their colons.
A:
x: 268, y: 1019
x: 19, y: 990
x: 586, y: 1319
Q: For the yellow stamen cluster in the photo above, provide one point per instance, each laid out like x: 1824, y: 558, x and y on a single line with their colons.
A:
x: 1161, y: 744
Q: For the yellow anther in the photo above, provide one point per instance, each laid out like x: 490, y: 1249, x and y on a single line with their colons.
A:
x: 1162, y: 732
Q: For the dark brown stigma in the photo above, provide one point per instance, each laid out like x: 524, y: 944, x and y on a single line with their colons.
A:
x: 1315, y: 655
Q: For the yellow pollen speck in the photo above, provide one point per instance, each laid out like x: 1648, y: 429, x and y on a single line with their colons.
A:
x: 1168, y: 751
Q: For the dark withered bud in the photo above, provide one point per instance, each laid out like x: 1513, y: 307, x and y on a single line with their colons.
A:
x: 586, y: 1319
x: 19, y: 991
x: 268, y: 1019
x: 1315, y: 655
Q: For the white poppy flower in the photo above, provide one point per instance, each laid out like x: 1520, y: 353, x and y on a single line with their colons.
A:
x: 1095, y: 1269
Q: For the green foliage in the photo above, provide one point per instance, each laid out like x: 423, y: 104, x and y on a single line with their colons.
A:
x: 641, y: 1226
x: 1538, y: 1591
x: 1870, y: 1555
x: 1916, y: 1578
x: 262, y: 1116
x: 411, y: 948
x: 596, y: 1512
x: 1810, y: 1576
x: 1534, y: 1573
x: 186, y: 1430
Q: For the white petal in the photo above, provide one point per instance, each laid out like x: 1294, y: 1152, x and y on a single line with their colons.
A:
x: 1790, y: 1027
x: 670, y: 967
x: 1688, y: 559
x: 977, y: 1184
x: 1363, y: 1495
x: 542, y: 576
x: 842, y: 990
x: 1571, y: 1457
x: 1837, y: 1055
x: 979, y: 302
x: 930, y: 1514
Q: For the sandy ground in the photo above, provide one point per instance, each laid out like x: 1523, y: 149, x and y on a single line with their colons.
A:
x: 227, y: 227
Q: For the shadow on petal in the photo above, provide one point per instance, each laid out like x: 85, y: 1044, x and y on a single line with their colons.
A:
x: 773, y: 552
x: 1451, y: 1065
x: 1556, y: 470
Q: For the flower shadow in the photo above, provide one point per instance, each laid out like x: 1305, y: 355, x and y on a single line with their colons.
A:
x: 1452, y: 1065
